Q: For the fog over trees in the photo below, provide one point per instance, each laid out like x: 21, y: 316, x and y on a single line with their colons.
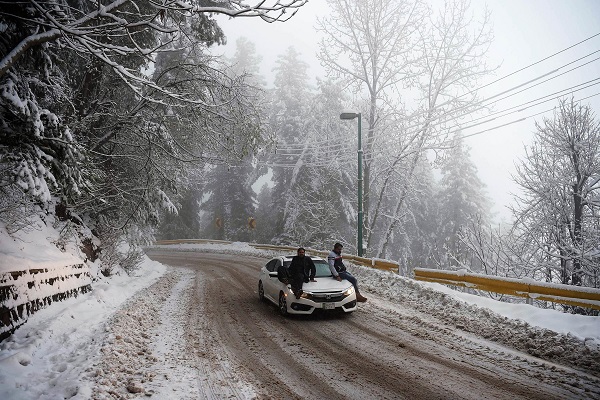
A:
x: 118, y: 120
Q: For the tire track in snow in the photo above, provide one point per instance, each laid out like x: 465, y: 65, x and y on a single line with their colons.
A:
x: 380, y: 353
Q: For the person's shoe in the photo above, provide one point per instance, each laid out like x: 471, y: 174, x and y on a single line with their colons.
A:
x: 360, y: 298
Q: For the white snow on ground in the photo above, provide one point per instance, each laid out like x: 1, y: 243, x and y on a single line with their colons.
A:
x: 580, y: 326
x: 97, y: 337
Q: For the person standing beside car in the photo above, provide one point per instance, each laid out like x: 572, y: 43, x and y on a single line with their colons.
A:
x: 339, y: 272
x: 301, y: 270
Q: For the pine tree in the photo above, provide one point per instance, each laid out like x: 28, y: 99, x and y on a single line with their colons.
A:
x: 263, y: 215
x: 461, y: 200
x: 231, y: 197
x: 246, y: 62
x: 185, y: 224
x: 230, y: 201
x: 289, y: 119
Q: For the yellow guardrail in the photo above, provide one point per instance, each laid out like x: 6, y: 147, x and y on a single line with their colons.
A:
x: 556, y: 293
x: 191, y: 241
x: 273, y: 247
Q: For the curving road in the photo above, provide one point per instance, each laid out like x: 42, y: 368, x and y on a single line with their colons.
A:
x: 244, y: 349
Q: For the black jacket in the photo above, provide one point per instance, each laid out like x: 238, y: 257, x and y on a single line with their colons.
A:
x: 302, y: 268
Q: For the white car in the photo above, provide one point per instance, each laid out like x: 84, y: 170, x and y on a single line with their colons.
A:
x: 326, y: 293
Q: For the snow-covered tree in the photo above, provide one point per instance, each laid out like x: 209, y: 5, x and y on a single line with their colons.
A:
x: 102, y: 107
x: 558, y: 217
x: 231, y: 198
x: 246, y: 62
x: 185, y: 224
x: 289, y: 120
x: 461, y: 201
x: 264, y: 215
x: 322, y: 198
x: 121, y: 28
x: 414, y: 243
x: 230, y: 201
x: 413, y: 67
x: 370, y: 44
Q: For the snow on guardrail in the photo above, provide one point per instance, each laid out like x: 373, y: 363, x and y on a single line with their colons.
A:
x: 24, y: 292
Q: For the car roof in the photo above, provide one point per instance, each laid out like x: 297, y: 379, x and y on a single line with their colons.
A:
x: 289, y: 258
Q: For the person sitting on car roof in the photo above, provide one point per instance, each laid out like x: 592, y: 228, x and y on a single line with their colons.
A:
x: 302, y: 269
x: 339, y: 272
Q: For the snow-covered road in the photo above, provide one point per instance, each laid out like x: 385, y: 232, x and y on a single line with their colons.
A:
x: 241, y: 348
x: 200, y: 332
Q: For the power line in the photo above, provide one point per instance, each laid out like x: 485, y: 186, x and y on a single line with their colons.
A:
x: 330, y: 146
x: 529, y: 66
x: 518, y: 107
x: 480, y: 103
x: 530, y: 116
x: 351, y: 159
x: 521, y: 107
x: 310, y: 146
x: 544, y: 81
x: 506, y: 76
x: 300, y: 145
x: 495, y: 127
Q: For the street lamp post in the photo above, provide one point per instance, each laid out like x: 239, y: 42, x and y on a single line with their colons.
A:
x: 360, y: 180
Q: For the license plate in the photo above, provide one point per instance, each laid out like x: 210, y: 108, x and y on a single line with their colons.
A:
x: 328, y: 306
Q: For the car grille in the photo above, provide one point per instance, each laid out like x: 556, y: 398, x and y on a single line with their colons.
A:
x: 327, y: 297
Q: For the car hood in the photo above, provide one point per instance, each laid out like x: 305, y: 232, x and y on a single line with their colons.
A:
x: 326, y: 285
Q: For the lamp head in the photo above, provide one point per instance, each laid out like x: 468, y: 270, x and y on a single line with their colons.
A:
x: 348, y: 115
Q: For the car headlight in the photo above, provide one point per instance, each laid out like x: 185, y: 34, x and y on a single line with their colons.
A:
x: 349, y: 291
x: 306, y: 295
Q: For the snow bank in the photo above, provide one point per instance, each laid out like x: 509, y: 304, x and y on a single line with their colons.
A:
x: 50, y: 359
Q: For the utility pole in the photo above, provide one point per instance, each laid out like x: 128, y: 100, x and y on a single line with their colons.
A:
x: 359, y: 233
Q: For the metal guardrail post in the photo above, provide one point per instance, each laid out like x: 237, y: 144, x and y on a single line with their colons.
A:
x: 529, y: 301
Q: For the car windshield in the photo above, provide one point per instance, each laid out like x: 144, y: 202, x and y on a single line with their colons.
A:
x: 321, y: 266
x: 322, y: 269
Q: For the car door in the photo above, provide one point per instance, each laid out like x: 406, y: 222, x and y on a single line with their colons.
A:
x: 269, y: 283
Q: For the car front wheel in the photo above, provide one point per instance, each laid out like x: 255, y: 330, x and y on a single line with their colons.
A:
x: 282, y: 305
x: 261, y: 291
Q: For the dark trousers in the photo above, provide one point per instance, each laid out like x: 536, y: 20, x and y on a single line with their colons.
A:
x: 296, y: 282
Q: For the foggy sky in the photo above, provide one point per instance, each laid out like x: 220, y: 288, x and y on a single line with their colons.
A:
x: 525, y: 32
